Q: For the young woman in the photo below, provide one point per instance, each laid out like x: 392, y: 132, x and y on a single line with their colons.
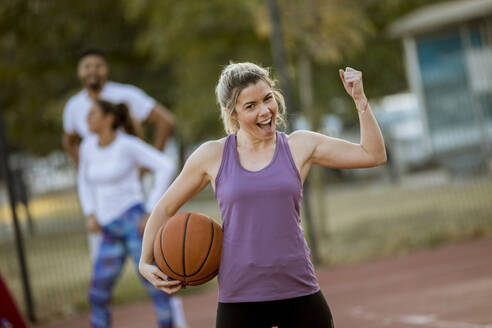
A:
x: 112, y: 200
x: 266, y: 277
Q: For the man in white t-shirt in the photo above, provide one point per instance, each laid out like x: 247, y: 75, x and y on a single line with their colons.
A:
x: 92, y: 72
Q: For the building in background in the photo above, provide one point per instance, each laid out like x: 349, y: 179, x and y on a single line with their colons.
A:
x: 448, y: 53
x: 402, y: 126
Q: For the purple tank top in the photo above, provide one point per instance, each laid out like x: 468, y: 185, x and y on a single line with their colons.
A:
x: 264, y: 254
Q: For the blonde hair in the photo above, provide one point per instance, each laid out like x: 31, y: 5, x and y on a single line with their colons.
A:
x: 233, y: 79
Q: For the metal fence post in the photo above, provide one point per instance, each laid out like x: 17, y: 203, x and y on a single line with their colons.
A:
x: 18, y: 234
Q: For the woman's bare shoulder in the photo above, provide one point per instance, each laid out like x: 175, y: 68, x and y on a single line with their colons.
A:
x: 300, y: 137
x: 300, y: 134
x: 209, y: 152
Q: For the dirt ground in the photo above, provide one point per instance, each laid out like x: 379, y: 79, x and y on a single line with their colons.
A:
x: 448, y: 287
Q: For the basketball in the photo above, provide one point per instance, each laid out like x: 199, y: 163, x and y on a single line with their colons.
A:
x: 188, y: 247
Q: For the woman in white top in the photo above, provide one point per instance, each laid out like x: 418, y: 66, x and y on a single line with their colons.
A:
x: 112, y: 200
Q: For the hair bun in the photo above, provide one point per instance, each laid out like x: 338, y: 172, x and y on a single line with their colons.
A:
x: 121, y: 114
x: 122, y: 107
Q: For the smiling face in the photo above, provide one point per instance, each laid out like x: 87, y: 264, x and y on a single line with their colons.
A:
x: 256, y: 110
x: 92, y: 72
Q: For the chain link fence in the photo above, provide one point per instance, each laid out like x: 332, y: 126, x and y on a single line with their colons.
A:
x: 53, y: 232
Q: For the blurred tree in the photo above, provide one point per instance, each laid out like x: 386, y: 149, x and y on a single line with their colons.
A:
x: 38, y: 58
x: 199, y: 38
x: 380, y: 59
x: 318, y: 31
x: 323, y: 32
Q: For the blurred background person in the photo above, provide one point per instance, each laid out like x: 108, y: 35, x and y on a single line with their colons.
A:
x: 111, y: 195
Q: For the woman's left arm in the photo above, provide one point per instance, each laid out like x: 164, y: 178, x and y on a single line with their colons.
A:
x: 338, y: 153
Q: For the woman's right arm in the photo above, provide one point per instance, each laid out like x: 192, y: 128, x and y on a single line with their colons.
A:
x: 193, y: 178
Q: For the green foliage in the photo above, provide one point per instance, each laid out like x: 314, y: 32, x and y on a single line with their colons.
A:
x: 327, y: 30
x: 380, y: 59
x: 199, y: 38
x: 38, y: 58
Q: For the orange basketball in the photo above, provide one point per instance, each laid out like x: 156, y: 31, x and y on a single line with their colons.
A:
x: 188, y: 247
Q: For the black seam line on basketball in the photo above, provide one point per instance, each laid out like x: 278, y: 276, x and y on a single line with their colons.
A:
x: 184, y: 245
x: 208, y: 252
x: 168, y: 266
x: 210, y: 275
x: 164, y: 257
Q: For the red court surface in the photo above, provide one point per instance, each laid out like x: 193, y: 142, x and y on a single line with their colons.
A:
x: 448, y: 287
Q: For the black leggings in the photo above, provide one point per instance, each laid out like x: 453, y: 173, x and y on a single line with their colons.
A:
x: 310, y: 311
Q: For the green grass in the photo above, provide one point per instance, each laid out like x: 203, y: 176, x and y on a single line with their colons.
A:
x: 363, y: 222
x: 368, y: 223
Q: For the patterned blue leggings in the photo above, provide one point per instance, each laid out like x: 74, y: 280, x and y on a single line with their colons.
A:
x: 120, y: 238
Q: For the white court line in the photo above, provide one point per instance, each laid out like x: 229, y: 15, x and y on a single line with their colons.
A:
x: 423, y: 320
